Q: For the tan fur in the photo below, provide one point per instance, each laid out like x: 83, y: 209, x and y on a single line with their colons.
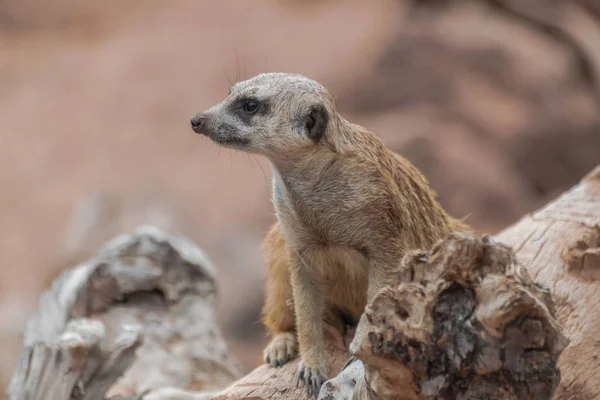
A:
x: 348, y: 209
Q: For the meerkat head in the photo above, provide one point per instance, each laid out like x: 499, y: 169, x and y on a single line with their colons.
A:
x: 272, y: 114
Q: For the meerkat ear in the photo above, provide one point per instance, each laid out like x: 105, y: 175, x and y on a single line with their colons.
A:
x: 316, y: 122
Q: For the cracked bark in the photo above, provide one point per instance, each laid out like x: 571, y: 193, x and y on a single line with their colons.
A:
x: 560, y: 244
x: 137, y: 318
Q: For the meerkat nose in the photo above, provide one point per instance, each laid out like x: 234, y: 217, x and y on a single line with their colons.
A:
x: 198, y: 121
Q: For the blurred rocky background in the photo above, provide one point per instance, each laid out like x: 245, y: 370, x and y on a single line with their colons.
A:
x: 496, y: 101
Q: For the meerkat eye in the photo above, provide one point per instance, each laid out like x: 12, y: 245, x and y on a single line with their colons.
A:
x: 250, y: 105
x: 310, y: 122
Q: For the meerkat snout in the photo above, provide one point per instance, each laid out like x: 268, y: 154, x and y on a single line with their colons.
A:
x: 215, y: 125
x: 197, y: 123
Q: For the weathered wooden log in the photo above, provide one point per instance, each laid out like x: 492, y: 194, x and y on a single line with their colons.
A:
x: 560, y: 245
x: 466, y: 321
x: 557, y: 246
x: 78, y: 364
x: 137, y: 318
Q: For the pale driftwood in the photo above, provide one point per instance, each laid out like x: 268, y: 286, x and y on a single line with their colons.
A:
x: 135, y: 319
x: 560, y: 245
x: 560, y: 248
x: 77, y: 365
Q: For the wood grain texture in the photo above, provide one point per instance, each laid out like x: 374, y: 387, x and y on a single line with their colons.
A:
x: 465, y: 321
x: 136, y: 318
x: 560, y: 244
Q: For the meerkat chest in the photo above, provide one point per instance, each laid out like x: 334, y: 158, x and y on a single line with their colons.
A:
x: 284, y: 208
x: 330, y: 212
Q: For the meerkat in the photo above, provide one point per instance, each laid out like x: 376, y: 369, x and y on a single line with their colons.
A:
x: 347, y: 207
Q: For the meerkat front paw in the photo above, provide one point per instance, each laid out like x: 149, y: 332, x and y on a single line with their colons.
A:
x: 282, y: 348
x: 313, y: 378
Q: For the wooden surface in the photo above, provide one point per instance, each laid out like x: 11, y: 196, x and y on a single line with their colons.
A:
x: 560, y: 244
x: 136, y: 318
x: 466, y: 321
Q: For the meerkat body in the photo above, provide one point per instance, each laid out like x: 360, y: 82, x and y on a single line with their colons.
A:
x: 347, y: 207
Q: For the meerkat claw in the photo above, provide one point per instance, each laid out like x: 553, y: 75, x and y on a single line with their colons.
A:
x: 307, y: 384
x: 313, y: 380
x: 300, y: 377
x: 317, y: 382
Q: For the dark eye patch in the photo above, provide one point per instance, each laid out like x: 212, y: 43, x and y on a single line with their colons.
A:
x: 245, y: 108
